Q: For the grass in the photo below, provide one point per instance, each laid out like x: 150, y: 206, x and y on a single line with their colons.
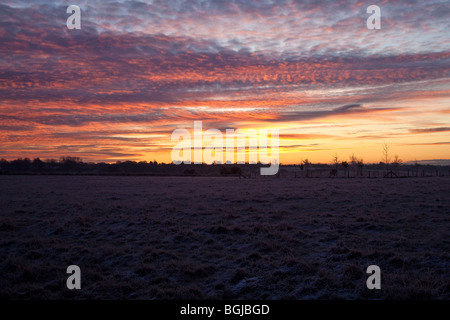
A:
x: 222, y: 238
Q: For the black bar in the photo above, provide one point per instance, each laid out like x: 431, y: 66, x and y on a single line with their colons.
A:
x: 229, y: 309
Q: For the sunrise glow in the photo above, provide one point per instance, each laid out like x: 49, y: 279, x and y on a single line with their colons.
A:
x: 136, y: 71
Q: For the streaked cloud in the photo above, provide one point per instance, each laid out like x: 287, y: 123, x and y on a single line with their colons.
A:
x: 430, y: 130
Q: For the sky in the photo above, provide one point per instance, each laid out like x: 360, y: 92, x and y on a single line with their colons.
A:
x: 117, y: 88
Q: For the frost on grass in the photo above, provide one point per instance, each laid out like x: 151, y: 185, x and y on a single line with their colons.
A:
x: 223, y: 238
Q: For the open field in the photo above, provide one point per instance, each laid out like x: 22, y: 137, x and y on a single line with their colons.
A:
x: 224, y: 238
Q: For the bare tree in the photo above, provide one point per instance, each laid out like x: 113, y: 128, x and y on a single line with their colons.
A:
x: 336, y: 160
x: 335, y: 163
x: 416, y: 167
x: 397, y: 163
x: 306, y: 164
x: 360, y: 166
x: 345, y: 165
x: 386, y: 157
x: 354, y: 163
x: 397, y: 160
x: 353, y: 159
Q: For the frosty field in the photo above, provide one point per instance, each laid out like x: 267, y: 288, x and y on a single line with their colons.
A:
x: 224, y: 238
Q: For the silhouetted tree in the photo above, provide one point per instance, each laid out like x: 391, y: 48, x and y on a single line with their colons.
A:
x: 397, y: 162
x: 20, y: 165
x: 386, y: 157
x: 345, y: 165
x: 70, y: 163
x: 3, y: 164
x: 306, y: 164
x: 336, y: 161
x: 360, y: 166
x: 38, y: 165
x: 354, y: 163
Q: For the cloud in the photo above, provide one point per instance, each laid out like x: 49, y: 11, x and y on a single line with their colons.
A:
x: 94, y: 66
x: 430, y: 143
x: 147, y: 67
x: 351, y: 107
x: 302, y: 136
x: 430, y: 130
x: 343, y: 111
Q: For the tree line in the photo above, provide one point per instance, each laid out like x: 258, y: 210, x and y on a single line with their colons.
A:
x: 353, y: 167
